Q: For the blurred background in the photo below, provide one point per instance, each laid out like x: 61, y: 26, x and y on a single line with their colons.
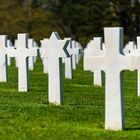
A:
x: 80, y: 19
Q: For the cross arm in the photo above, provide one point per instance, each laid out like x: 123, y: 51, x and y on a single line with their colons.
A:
x: 130, y: 62
x: 11, y: 52
x: 93, y: 62
x: 32, y: 52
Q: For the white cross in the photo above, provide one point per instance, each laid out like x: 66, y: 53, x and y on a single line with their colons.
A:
x: 77, y: 49
x: 55, y: 50
x: 94, y: 47
x: 68, y: 61
x: 113, y: 63
x: 80, y: 50
x: 74, y: 52
x: 44, y: 59
x: 3, y: 58
x: 32, y: 58
x: 16, y: 46
x: 37, y: 47
x: 22, y: 53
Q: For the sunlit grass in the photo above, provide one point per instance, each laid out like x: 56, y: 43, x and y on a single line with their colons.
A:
x: 28, y: 116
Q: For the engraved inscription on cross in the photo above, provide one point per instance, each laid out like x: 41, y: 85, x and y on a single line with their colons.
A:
x: 112, y: 63
x: 55, y: 50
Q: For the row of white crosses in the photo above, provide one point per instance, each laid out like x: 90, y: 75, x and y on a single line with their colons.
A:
x: 22, y: 53
x: 132, y: 49
x: 113, y: 62
x: 52, y: 52
x: 95, y: 47
x: 54, y: 49
x: 75, y: 51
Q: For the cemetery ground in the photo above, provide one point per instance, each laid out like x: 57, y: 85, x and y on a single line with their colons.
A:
x: 28, y: 116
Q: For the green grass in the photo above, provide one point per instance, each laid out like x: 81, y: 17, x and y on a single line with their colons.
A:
x: 28, y: 116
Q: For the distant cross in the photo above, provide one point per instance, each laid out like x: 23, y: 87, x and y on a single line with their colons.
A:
x: 16, y: 46
x: 74, y: 53
x: 112, y: 63
x: 9, y: 45
x: 55, y: 51
x: 77, y: 50
x: 98, y: 50
x: 68, y: 61
x: 31, y: 59
x: 3, y: 58
x: 44, y: 59
x: 36, y: 47
x: 22, y: 53
x: 94, y: 47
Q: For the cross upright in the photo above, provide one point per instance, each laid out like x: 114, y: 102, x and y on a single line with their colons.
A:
x: 77, y: 49
x: 9, y: 44
x: 55, y: 50
x: 31, y: 61
x: 16, y: 46
x: 22, y: 53
x: 68, y: 61
x: 44, y: 59
x: 112, y: 63
x: 3, y: 58
x: 75, y: 53
x: 97, y: 50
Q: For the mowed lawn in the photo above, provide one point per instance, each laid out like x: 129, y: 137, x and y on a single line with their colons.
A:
x: 28, y: 116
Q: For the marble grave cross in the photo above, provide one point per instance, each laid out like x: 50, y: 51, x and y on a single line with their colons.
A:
x: 113, y: 63
x: 44, y: 59
x: 97, y: 46
x: 74, y: 53
x: 31, y: 61
x: 78, y: 51
x: 22, y: 52
x: 55, y: 50
x: 3, y: 58
x: 68, y: 61
x: 94, y: 47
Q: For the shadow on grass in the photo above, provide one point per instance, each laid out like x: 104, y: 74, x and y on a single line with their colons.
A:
x: 131, y: 129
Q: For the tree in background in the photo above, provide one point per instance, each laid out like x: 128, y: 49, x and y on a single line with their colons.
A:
x: 82, y: 20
